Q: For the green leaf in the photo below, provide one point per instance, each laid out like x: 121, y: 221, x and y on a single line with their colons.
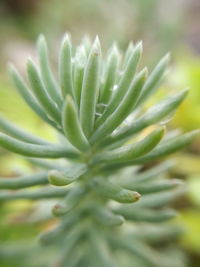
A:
x: 154, y: 79
x: 152, y: 187
x: 74, y: 258
x: 90, y: 89
x: 153, y: 233
x: 164, y: 108
x: 123, y: 86
x: 164, y: 149
x: 18, y: 133
x: 67, y: 176
x: 123, y: 110
x: 71, y: 241
x: 72, y: 127
x: 110, y: 74
x: 28, y: 97
x: 58, y: 178
x: 114, y: 191
x: 148, y: 175
x: 107, y: 217
x: 140, y: 249
x: 41, y: 93
x: 152, y: 115
x: 86, y: 42
x: 73, y: 198
x: 133, y: 151
x: 80, y: 61
x: 145, y: 215
x: 47, y: 75
x: 34, y: 150
x: 100, y: 249
x: 65, y: 67
x: 169, y: 147
x: 24, y: 181
x: 157, y: 200
x: 63, y: 228
x: 34, y: 194
x: 128, y: 54
x: 45, y: 164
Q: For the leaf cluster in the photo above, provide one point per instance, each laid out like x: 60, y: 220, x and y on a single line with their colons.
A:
x: 97, y: 107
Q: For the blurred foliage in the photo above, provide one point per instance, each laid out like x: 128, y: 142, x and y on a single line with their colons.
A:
x: 120, y: 20
x: 187, y: 73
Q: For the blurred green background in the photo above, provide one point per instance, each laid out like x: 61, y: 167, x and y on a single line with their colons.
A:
x: 163, y: 26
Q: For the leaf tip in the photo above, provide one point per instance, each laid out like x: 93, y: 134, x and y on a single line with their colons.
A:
x: 56, y: 178
x: 136, y: 196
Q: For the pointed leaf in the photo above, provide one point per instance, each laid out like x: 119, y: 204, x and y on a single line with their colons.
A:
x: 169, y: 147
x: 67, y: 176
x: 65, y: 67
x: 90, y: 89
x: 47, y: 75
x: 123, y: 110
x: 133, y: 151
x: 80, y: 61
x: 72, y: 127
x: 128, y: 54
x: 152, y: 187
x: 110, y: 75
x: 73, y: 198
x: 40, y: 92
x: 123, y: 86
x: 145, y: 215
x: 19, y: 133
x: 24, y: 181
x: 114, y: 191
x: 107, y: 217
x: 34, y: 150
x: 153, y: 115
x: 154, y: 79
x: 27, y: 96
x: 34, y: 194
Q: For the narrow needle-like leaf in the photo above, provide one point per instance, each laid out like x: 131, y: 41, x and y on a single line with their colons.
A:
x: 130, y: 152
x: 153, y: 115
x: 34, y: 194
x: 34, y: 150
x: 68, y: 175
x: 107, y: 217
x: 123, y: 110
x: 73, y: 198
x: 100, y: 249
x: 80, y: 61
x: 47, y: 75
x: 114, y: 191
x: 152, y: 187
x: 27, y: 95
x: 128, y: 54
x: 58, y: 178
x: 24, y: 181
x: 41, y: 93
x: 65, y: 67
x: 154, y: 79
x: 164, y: 149
x: 90, y: 89
x: 170, y: 147
x: 72, y: 127
x: 146, y: 215
x: 110, y: 75
x: 16, y: 132
x: 123, y: 84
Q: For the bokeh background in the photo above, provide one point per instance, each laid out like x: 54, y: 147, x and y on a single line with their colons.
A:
x: 172, y: 25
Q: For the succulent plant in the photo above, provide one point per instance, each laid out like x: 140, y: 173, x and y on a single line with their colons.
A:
x: 107, y: 135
